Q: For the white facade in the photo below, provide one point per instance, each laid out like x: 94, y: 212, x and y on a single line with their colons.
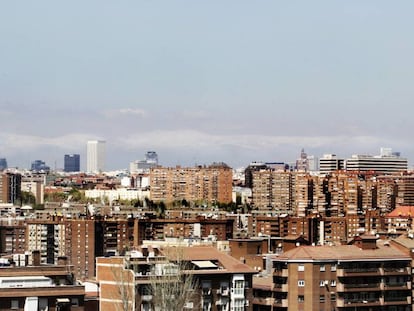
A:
x: 118, y: 194
x: 95, y: 156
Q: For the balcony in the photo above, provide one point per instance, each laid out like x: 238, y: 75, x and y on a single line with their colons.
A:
x: 223, y: 292
x: 400, y: 300
x: 281, y: 273
x: 387, y: 271
x: 355, y: 272
x: 69, y: 290
x: 357, y: 287
x: 358, y: 302
x: 281, y: 288
x: 396, y: 286
x: 281, y: 303
x: 268, y: 301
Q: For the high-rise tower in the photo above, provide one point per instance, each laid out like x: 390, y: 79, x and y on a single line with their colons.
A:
x: 95, y: 156
x: 72, y: 163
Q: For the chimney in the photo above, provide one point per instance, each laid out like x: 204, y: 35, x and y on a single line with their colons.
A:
x: 36, y: 258
x: 365, y: 242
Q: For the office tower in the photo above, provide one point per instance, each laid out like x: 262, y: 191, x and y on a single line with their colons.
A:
x: 387, y: 163
x: 95, y: 156
x: 151, y: 157
x: 144, y: 166
x: 3, y: 164
x: 72, y: 163
x: 329, y: 163
x: 39, y: 166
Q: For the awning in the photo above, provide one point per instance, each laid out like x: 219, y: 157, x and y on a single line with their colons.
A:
x: 204, y: 264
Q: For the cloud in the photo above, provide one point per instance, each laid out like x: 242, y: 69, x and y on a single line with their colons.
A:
x: 14, y: 143
x: 198, y: 114
x: 125, y: 111
x: 196, y: 139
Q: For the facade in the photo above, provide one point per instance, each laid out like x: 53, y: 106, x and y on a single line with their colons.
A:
x: 335, y: 194
x: 196, y: 228
x: 81, y: 240
x: 95, y: 156
x: 202, y: 184
x: 12, y: 235
x: 71, y: 163
x: 39, y: 287
x: 144, y: 166
x: 367, y: 275
x: 10, y: 187
x: 34, y: 185
x: 329, y: 163
x: 3, y: 164
x: 220, y: 281
x: 39, y: 166
x: 380, y: 164
x: 273, y: 191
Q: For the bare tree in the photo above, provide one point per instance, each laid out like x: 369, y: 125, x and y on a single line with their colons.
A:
x: 124, y: 291
x: 172, y: 284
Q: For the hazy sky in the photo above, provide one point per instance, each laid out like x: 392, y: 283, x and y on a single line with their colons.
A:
x: 203, y: 81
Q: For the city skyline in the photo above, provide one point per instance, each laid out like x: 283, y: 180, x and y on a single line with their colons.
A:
x: 205, y: 82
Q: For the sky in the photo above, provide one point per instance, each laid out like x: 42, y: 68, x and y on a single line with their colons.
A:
x: 205, y: 81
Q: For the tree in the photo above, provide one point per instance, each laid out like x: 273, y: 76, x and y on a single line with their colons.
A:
x: 172, y: 284
x: 124, y: 291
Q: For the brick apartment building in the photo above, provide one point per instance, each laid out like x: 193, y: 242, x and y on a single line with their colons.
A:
x: 222, y: 282
x: 366, y: 275
x: 201, y: 184
x: 40, y: 287
x: 10, y: 187
x: 334, y: 195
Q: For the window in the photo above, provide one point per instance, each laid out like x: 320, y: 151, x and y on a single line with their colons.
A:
x: 301, y: 298
x: 333, y: 283
x: 14, y: 304
x: 333, y: 267
x: 321, y: 283
x: 301, y: 283
x: 322, y: 268
x: 301, y: 268
x: 333, y: 297
x: 321, y: 298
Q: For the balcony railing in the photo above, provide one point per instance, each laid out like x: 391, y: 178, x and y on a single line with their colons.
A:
x: 268, y: 301
x: 280, y: 303
x: 395, y: 271
x: 352, y: 272
x: 355, y: 287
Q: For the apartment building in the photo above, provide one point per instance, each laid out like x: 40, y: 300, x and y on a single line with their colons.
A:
x: 220, y: 281
x: 202, y: 184
x: 40, y: 287
x: 365, y: 275
x: 334, y: 195
x: 273, y: 190
x: 10, y: 187
x: 197, y: 228
x: 80, y: 239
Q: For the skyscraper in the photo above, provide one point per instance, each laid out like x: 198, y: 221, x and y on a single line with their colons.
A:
x: 3, y: 164
x: 72, y: 163
x: 95, y: 156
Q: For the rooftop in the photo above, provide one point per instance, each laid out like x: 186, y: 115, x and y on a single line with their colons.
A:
x: 343, y: 252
